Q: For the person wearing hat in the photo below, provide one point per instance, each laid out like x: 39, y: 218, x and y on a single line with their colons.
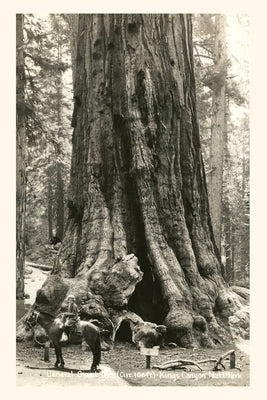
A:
x: 72, y: 314
x: 72, y: 306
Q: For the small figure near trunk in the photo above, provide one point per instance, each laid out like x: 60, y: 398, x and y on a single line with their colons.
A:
x: 54, y: 240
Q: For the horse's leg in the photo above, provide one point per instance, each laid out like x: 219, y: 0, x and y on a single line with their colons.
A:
x: 57, y: 355
x: 94, y: 343
x: 61, y: 357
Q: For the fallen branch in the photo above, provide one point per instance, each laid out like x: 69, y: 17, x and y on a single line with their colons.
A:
x: 39, y: 266
x: 207, y: 360
x: 177, y: 364
x: 230, y: 353
x: 181, y: 364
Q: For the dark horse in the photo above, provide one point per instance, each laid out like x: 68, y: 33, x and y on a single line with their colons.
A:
x: 54, y: 328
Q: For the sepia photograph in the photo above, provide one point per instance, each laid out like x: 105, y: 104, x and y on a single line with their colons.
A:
x: 132, y: 199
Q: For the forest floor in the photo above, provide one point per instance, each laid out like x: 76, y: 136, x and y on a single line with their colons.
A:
x: 124, y: 365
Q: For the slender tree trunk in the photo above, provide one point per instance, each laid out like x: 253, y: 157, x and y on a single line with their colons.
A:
x: 233, y: 253
x: 59, y: 203
x: 59, y: 181
x: 228, y: 247
x: 244, y: 246
x: 20, y: 166
x: 138, y: 184
x: 73, y: 21
x: 218, y: 127
x: 50, y: 209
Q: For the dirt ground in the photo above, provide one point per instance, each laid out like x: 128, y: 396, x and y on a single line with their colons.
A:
x: 124, y: 365
x: 127, y: 359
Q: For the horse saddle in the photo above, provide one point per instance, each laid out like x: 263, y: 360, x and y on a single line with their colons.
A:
x: 73, y: 325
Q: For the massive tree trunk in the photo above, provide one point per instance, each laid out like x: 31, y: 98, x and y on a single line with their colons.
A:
x: 218, y: 127
x: 138, y: 183
x: 20, y: 161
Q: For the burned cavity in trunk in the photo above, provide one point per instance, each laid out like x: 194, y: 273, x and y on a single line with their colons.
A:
x: 124, y: 333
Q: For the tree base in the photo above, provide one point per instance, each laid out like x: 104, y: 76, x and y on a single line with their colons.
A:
x: 228, y: 321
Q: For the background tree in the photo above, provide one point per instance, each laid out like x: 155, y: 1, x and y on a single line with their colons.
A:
x: 48, y: 101
x: 73, y: 23
x: 57, y: 28
x: 235, y: 138
x: 218, y: 126
x: 138, y: 185
x: 236, y: 191
x: 20, y: 165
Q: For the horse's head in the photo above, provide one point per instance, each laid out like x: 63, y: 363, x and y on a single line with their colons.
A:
x: 32, y: 320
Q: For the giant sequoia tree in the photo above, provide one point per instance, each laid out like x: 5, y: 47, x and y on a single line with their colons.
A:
x: 138, y: 185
